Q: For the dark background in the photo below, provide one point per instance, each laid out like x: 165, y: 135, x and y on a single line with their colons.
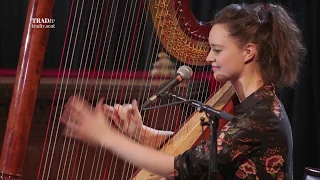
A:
x: 302, y: 101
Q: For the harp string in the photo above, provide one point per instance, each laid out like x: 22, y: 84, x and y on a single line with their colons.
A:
x: 154, y: 52
x: 192, y: 83
x: 58, y: 102
x: 168, y: 119
x: 117, y: 70
x: 128, y: 167
x: 144, y: 18
x: 147, y: 87
x: 86, y: 79
x: 67, y: 83
x: 103, y: 72
x: 73, y: 159
x: 94, y: 157
x: 154, y: 114
x: 126, y: 51
x: 82, y: 84
x: 100, y: 84
x: 99, y: 90
x: 175, y: 121
x: 178, y: 122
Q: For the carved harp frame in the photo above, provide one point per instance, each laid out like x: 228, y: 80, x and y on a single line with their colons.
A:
x: 184, y: 37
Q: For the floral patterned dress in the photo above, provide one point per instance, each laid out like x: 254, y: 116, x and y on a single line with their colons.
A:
x: 258, y: 145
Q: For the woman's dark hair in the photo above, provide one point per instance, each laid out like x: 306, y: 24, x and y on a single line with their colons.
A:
x: 276, y: 35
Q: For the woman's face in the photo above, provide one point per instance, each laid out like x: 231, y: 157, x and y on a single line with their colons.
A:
x: 226, y: 57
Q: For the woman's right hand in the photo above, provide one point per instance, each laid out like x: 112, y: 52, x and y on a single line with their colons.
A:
x: 127, y: 118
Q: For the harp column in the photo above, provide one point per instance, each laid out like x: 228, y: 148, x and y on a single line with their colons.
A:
x: 32, y: 52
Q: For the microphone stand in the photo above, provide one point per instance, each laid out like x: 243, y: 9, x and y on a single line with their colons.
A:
x: 213, y: 123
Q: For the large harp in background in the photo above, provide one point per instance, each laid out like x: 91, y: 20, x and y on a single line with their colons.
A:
x: 178, y: 34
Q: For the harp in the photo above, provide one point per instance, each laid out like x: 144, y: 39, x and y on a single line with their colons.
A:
x: 178, y: 34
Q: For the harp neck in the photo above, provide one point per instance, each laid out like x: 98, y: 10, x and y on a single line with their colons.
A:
x: 180, y: 33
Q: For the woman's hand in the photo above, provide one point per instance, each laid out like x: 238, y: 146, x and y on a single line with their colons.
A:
x: 86, y: 123
x: 83, y: 122
x: 127, y: 117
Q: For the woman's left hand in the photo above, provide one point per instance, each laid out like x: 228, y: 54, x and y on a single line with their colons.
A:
x: 84, y: 122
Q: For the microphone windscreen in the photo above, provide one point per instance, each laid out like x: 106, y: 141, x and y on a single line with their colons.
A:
x: 185, y: 71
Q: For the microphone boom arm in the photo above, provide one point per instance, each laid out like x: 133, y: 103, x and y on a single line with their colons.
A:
x: 213, y: 115
x: 202, y: 107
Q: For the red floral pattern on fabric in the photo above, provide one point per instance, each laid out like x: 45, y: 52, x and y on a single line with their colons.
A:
x: 241, y: 174
x: 273, y: 164
x: 248, y: 167
x: 236, y: 154
x: 280, y: 176
x: 219, y: 142
x: 276, y: 108
x: 255, y: 146
x: 258, y: 96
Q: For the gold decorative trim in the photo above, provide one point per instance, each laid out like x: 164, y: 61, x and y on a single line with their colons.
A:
x: 173, y: 38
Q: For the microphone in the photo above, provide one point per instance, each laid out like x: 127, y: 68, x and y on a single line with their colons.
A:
x: 184, y: 72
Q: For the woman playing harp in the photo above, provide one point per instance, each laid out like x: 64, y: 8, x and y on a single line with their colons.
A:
x: 256, y: 47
